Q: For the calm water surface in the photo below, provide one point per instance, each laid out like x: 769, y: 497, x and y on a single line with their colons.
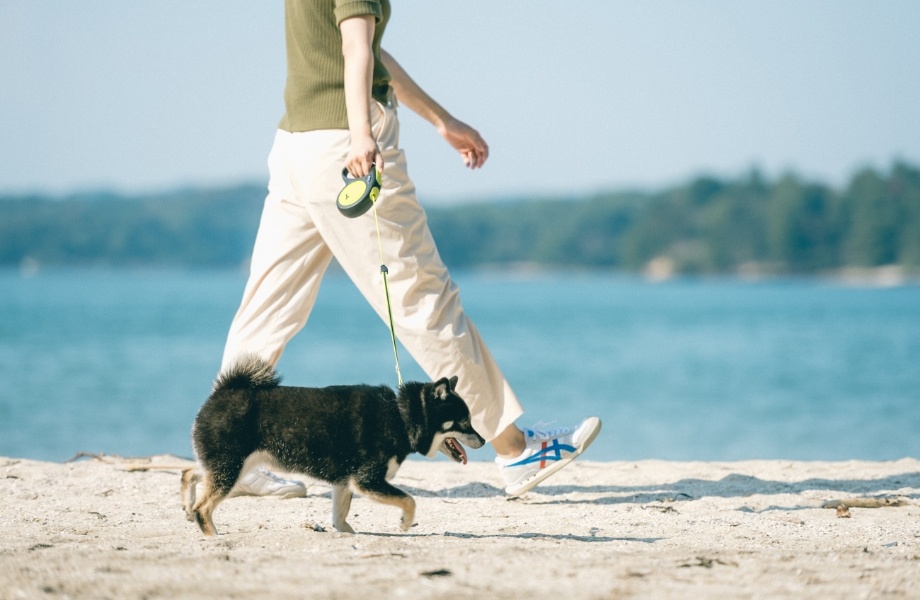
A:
x: 120, y: 361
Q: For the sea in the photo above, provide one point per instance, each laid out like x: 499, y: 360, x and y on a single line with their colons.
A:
x: 118, y: 362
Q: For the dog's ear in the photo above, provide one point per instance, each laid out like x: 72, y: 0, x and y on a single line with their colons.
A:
x: 442, y: 389
x: 453, y: 382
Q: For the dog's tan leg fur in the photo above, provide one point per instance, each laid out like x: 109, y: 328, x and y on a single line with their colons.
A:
x: 190, y: 478
x: 341, y: 504
x: 405, y: 502
x: 205, y: 506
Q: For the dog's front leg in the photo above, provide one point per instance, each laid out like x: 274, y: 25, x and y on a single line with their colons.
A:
x: 341, y: 504
x: 381, y: 491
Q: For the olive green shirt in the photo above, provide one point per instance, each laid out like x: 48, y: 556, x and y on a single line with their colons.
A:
x: 314, y: 96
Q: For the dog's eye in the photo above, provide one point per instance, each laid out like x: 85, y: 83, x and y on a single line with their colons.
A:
x: 447, y: 424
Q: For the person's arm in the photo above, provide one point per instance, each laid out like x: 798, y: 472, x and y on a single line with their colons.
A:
x: 357, y: 35
x: 466, y: 140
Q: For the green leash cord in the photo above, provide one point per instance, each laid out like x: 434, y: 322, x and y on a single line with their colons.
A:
x: 386, y: 291
x: 355, y: 199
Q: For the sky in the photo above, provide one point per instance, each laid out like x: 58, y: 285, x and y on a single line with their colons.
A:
x: 573, y: 99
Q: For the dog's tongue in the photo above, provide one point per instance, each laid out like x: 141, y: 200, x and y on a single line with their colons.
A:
x: 458, y: 448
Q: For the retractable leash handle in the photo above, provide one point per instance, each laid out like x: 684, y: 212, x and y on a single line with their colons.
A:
x: 357, y: 197
x: 359, y: 194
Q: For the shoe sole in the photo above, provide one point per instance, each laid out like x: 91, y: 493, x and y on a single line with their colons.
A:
x: 542, y: 474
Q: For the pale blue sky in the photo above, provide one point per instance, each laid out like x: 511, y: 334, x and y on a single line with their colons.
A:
x: 572, y: 97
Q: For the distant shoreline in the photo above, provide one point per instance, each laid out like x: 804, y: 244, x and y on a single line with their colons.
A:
x: 888, y: 276
x: 867, y: 231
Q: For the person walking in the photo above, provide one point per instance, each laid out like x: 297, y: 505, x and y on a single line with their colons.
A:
x: 341, y: 99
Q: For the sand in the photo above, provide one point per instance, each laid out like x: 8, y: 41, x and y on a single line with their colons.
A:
x: 94, y: 528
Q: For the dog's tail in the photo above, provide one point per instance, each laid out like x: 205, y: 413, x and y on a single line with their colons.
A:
x: 250, y: 372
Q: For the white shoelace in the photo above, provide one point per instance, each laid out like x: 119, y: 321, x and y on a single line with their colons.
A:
x: 537, y: 434
x: 269, y: 475
x: 281, y: 480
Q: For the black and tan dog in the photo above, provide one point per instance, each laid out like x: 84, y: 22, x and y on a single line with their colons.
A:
x: 352, y: 436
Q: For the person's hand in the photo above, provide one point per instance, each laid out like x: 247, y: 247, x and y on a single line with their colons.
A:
x: 362, y: 154
x: 467, y: 141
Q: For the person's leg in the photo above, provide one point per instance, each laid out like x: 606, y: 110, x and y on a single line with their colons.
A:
x: 510, y: 442
x: 288, y: 261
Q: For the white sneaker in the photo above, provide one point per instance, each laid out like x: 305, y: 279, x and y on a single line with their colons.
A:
x: 262, y: 482
x: 546, y: 453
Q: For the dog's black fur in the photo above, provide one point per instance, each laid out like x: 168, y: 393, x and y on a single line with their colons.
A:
x: 352, y: 436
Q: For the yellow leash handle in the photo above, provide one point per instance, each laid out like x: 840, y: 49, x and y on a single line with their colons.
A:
x: 359, y: 193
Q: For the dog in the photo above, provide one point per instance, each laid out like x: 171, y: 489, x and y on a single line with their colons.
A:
x: 354, y: 437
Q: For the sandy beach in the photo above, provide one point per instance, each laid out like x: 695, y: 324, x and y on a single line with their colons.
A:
x: 109, y: 527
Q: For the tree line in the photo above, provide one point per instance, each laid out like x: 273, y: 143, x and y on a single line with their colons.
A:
x: 709, y: 225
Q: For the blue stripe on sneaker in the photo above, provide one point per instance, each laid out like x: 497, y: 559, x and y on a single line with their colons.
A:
x: 543, y: 454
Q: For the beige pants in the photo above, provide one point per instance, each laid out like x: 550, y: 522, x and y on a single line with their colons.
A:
x: 301, y: 230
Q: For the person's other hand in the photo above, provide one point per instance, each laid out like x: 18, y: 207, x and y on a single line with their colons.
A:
x: 467, y: 141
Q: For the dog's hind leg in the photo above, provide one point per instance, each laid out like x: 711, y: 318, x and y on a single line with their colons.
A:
x: 341, y: 504
x: 380, y: 490
x: 190, y: 479
x: 214, y: 493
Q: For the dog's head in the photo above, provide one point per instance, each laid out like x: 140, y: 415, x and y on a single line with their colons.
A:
x: 445, y: 421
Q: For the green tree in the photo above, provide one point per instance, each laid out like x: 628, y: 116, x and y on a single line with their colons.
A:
x: 802, y: 225
x: 872, y: 221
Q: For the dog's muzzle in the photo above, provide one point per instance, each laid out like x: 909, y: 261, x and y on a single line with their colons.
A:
x: 453, y: 446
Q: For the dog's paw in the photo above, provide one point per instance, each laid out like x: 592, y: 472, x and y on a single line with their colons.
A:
x: 406, y: 524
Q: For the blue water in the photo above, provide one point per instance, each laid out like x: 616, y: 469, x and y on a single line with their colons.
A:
x: 119, y: 361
